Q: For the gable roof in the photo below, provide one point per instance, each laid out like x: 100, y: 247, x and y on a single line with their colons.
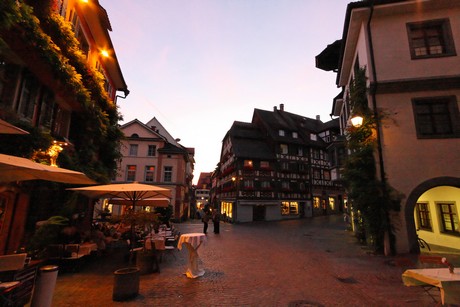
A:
x: 248, y: 142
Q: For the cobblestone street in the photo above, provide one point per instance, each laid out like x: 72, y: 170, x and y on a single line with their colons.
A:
x: 307, y: 262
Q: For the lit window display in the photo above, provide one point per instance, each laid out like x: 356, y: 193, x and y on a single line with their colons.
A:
x: 226, y: 209
x: 316, y: 202
x: 332, y: 203
x: 289, y: 208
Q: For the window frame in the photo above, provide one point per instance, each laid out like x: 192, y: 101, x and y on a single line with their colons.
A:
x: 452, y: 113
x: 453, y: 218
x: 131, y: 171
x: 423, y: 216
x: 148, y: 171
x: 132, y: 152
x: 151, y: 150
x: 446, y: 39
x: 167, y: 173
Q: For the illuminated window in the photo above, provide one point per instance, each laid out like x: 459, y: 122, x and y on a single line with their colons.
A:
x: 131, y: 173
x: 284, y: 149
x: 423, y: 216
x: 247, y: 163
x: 264, y: 164
x: 295, y: 135
x: 332, y: 203
x: 149, y: 173
x: 289, y: 208
x: 449, y: 217
x: 316, y: 202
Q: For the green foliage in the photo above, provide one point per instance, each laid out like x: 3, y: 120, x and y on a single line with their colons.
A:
x: 94, y: 130
x: 165, y: 213
x: 368, y: 195
x: 48, y: 233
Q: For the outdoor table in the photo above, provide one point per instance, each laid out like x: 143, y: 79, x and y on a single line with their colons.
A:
x: 448, y: 283
x: 192, y: 242
x: 86, y: 248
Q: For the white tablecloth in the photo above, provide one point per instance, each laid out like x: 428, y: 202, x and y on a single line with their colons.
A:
x: 87, y: 248
x: 192, y: 241
x: 448, y: 283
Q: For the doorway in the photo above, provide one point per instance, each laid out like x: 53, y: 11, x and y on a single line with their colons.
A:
x: 258, y: 213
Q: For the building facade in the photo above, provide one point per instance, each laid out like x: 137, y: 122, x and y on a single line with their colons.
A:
x: 277, y: 167
x: 409, y: 50
x: 55, y: 82
x: 152, y: 156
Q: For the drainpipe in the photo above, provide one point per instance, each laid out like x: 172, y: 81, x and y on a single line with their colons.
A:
x: 388, y: 243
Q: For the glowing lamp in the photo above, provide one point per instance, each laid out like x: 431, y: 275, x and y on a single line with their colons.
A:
x: 357, y: 121
x: 105, y: 53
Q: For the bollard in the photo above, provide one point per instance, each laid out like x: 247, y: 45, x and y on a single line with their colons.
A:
x: 126, y: 284
x: 44, y: 286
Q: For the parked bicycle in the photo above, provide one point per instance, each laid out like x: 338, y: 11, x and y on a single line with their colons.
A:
x: 423, y: 244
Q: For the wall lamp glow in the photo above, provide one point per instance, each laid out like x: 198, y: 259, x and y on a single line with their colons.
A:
x: 357, y: 121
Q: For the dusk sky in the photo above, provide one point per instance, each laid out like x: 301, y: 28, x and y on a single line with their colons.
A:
x: 199, y: 65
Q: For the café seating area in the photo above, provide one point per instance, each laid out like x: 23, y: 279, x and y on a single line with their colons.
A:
x: 17, y: 279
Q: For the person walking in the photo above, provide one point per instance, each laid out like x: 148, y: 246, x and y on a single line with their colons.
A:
x: 205, y: 220
x: 216, y: 220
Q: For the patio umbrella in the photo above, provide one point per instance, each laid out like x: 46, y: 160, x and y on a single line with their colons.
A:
x: 132, y: 193
x: 7, y: 128
x: 14, y: 168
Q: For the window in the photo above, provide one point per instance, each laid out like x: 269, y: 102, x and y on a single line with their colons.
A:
x: 436, y: 117
x: 133, y: 149
x: 327, y: 175
x: 285, y: 185
x: 316, y: 202
x: 167, y: 174
x: 302, y: 186
x: 332, y: 203
x: 151, y: 151
x: 449, y: 218
x: 131, y: 173
x: 284, y: 149
x: 248, y: 184
x: 300, y: 151
x: 313, y: 137
x: 295, y: 135
x: 430, y: 39
x: 284, y: 166
x: 316, y: 174
x: 423, y: 216
x: 289, y: 208
x: 281, y: 132
x: 149, y: 173
x: 264, y: 164
x: 247, y: 163
x: 265, y: 185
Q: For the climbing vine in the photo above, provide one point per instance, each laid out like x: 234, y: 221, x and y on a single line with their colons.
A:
x: 371, y: 199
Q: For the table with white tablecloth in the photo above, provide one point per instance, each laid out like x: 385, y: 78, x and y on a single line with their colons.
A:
x: 448, y: 283
x: 192, y: 241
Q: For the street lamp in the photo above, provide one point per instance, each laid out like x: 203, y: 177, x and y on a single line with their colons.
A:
x: 357, y: 121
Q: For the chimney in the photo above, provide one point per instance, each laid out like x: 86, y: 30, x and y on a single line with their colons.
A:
x: 281, y: 106
x: 318, y: 118
x: 275, y: 109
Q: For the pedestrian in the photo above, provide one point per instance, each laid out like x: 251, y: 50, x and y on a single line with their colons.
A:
x: 216, y: 220
x: 205, y: 220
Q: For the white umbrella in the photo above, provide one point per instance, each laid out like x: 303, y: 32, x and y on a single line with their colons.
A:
x: 14, y: 168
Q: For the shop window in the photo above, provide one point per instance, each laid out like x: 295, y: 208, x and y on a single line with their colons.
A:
x: 316, y: 202
x: 332, y: 203
x: 423, y: 216
x: 289, y: 208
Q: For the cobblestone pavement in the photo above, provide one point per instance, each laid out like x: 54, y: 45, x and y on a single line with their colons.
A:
x: 307, y: 262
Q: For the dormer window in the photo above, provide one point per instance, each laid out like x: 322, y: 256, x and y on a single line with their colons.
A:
x: 281, y: 132
x: 295, y: 135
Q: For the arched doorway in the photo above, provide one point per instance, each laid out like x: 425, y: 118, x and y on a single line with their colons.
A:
x: 433, y: 208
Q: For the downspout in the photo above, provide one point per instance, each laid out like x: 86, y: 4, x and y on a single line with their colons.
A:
x: 388, y: 236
